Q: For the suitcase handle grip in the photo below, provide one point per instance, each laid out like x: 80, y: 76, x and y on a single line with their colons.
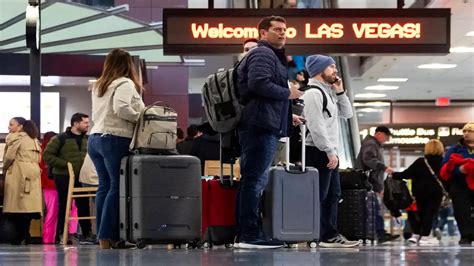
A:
x: 303, y: 153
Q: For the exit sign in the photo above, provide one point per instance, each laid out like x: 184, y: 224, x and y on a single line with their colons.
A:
x: 332, y: 31
x: 443, y: 101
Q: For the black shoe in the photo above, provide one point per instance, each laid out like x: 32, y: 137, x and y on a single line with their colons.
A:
x: 121, y: 244
x: 465, y: 242
x: 88, y: 240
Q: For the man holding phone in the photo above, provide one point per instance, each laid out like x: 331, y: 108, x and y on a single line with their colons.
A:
x: 325, y: 101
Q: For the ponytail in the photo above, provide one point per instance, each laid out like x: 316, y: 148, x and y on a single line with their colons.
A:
x: 31, y: 129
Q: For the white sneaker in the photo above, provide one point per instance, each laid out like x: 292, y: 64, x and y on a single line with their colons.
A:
x: 339, y: 242
x: 413, y: 239
x: 428, y: 241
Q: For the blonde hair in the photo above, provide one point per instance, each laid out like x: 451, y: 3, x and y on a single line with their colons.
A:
x: 434, y: 147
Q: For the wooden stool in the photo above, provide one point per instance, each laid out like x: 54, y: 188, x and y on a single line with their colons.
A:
x: 70, y: 195
x: 213, y: 168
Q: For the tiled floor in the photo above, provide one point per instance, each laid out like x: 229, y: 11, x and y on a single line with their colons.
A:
x: 395, y: 253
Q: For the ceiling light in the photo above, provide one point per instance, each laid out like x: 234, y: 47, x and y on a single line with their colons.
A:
x: 392, y: 80
x: 369, y: 110
x: 370, y: 95
x: 437, y: 66
x: 462, y: 49
x: 470, y: 34
x: 375, y: 104
x: 381, y: 88
x: 92, y: 80
x: 48, y: 85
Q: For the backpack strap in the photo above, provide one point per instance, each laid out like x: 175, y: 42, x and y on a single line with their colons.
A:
x: 325, y: 98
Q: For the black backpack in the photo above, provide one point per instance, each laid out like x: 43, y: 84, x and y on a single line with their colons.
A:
x: 298, y: 104
x: 396, y: 196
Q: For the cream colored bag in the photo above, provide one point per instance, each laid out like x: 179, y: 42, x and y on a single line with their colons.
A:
x: 88, y: 174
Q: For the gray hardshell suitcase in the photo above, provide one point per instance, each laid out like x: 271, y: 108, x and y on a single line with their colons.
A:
x: 291, y: 202
x: 160, y: 199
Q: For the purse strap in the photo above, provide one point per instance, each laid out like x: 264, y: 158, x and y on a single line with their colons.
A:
x: 435, y: 177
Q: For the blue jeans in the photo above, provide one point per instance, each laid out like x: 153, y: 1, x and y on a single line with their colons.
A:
x: 444, y: 214
x: 379, y: 222
x: 106, y: 152
x: 329, y: 191
x: 258, y: 148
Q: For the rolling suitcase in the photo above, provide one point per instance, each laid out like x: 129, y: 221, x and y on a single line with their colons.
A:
x: 356, y: 214
x: 160, y: 199
x: 218, y: 207
x: 291, y: 206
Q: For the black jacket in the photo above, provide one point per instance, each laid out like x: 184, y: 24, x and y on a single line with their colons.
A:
x: 424, y: 185
x: 206, y: 148
x: 370, y: 157
x: 263, y: 89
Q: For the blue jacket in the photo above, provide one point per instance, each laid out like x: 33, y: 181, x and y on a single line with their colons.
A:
x: 460, y: 148
x: 263, y: 89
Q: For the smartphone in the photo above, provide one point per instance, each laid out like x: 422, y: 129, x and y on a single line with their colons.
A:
x: 337, y: 79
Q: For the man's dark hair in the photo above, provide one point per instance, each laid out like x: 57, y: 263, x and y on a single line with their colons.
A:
x: 250, y: 40
x: 384, y: 130
x: 192, y: 131
x: 77, y: 117
x: 266, y: 22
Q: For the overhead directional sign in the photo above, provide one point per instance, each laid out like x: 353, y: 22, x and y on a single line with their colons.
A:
x: 333, y: 31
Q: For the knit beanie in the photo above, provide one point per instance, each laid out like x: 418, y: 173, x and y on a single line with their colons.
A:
x: 316, y: 64
x: 469, y: 126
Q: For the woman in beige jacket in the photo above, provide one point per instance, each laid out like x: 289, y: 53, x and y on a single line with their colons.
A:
x: 116, y: 106
x: 22, y: 199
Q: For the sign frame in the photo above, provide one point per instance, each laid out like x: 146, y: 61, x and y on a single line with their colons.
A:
x: 336, y: 49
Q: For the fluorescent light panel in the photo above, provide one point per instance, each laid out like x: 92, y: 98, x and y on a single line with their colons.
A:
x: 381, y: 88
x: 470, y: 34
x: 461, y: 49
x: 392, y: 80
x: 437, y: 66
x: 370, y: 95
x: 374, y: 104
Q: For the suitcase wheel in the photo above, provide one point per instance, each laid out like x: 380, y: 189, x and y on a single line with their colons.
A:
x: 229, y: 245
x: 312, y: 244
x: 141, y: 244
x: 177, y: 246
x: 293, y: 245
x: 206, y: 244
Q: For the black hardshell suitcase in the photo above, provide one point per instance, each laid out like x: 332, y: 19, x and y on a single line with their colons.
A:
x: 356, y: 214
x: 160, y: 199
x: 291, y: 208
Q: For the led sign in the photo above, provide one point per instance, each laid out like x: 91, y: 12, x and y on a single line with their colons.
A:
x: 335, y: 31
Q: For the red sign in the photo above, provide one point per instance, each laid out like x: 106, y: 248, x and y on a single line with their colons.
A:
x: 335, y: 31
x: 443, y: 101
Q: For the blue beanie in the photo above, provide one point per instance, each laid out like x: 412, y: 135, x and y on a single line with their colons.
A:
x: 316, y: 64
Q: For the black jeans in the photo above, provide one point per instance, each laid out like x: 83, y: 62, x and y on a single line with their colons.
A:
x: 463, y: 205
x: 427, y: 208
x: 82, y: 204
x: 329, y: 191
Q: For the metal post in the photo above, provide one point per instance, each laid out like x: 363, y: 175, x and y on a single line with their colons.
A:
x: 210, y: 4
x: 33, y: 29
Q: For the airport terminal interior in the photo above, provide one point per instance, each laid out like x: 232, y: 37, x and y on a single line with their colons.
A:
x: 386, y: 176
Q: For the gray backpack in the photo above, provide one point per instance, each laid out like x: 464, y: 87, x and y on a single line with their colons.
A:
x: 155, y: 131
x: 221, y: 99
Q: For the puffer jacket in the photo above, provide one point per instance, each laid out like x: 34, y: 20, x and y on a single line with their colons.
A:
x: 58, y: 157
x: 263, y: 89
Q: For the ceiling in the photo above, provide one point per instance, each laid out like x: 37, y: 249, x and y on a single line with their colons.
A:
x: 423, y: 84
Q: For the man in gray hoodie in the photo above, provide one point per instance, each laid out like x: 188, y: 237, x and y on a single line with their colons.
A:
x: 325, y: 102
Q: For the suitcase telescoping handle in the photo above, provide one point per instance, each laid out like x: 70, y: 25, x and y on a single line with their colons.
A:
x: 221, y: 177
x: 303, y: 152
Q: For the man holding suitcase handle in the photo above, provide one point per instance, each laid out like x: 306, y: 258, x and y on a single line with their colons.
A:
x: 322, y: 141
x: 266, y: 116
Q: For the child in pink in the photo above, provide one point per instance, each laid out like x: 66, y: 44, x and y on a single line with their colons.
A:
x: 50, y: 196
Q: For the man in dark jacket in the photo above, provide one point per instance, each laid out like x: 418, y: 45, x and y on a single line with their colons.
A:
x: 70, y: 146
x: 263, y: 87
x: 185, y: 146
x: 371, y: 158
x: 461, y: 195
